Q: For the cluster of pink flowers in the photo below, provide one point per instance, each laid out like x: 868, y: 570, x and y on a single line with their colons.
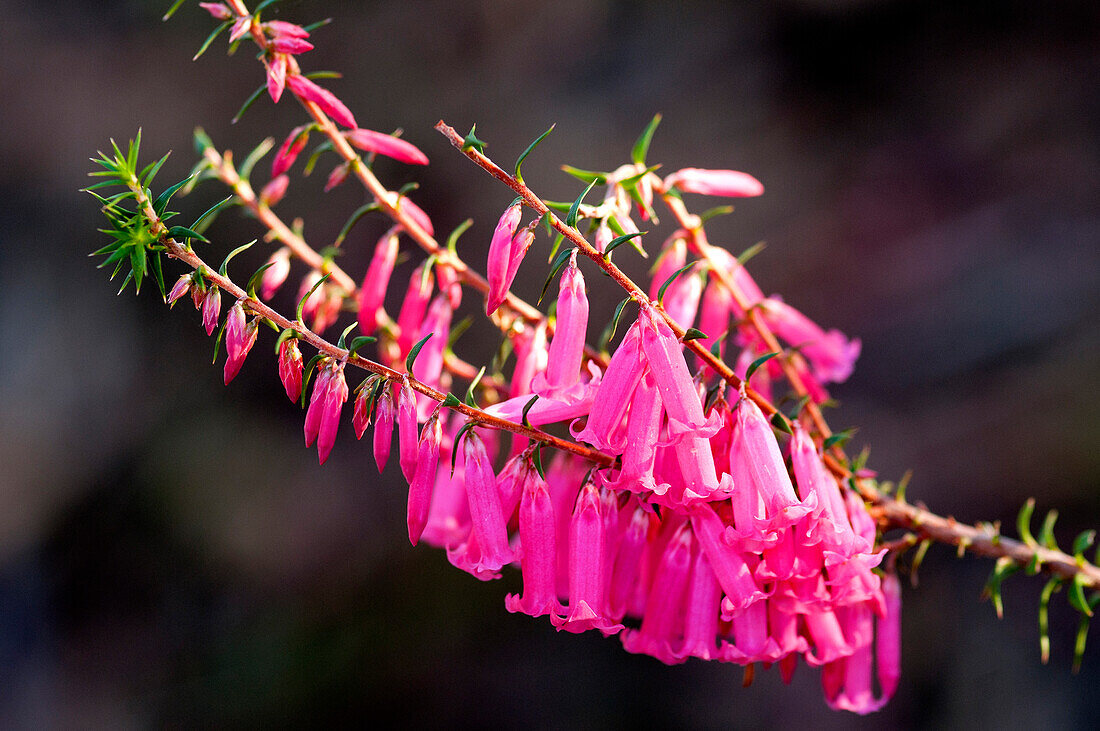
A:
x: 713, y: 535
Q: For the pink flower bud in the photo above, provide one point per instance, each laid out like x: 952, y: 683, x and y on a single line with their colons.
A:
x: 338, y: 175
x: 563, y: 364
x: 241, y: 27
x: 240, y: 336
x: 500, y: 257
x: 220, y: 11
x: 289, y: 45
x: 273, y: 192
x: 180, y: 288
x: 387, y: 145
x: 383, y: 428
x: 406, y: 430
x: 312, y: 426
x: 308, y: 91
x: 276, y: 77
x: 211, y: 308
x: 417, y: 214
x: 372, y: 293
x: 288, y: 152
x: 420, y: 487
x: 290, y: 368
x: 330, y: 418
x: 729, y: 183
x: 283, y: 29
x: 275, y: 275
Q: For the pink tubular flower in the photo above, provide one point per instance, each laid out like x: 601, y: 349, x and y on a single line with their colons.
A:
x: 587, y: 569
x: 283, y: 29
x: 290, y: 368
x: 604, y: 428
x: 420, y: 487
x: 388, y: 145
x: 360, y: 410
x: 662, y: 624
x: 241, y: 27
x: 670, y: 371
x: 411, y: 317
x: 211, y: 308
x: 486, y: 550
x: 293, y: 46
x: 335, y: 396
x: 273, y: 192
x: 276, y: 77
x: 538, y: 561
x: 275, y: 275
x: 420, y: 218
x: 383, y: 428
x: 338, y: 175
x: 406, y: 430
x: 219, y: 11
x: 529, y: 344
x: 240, y: 336
x: 831, y: 355
x: 373, y: 290
x: 308, y: 91
x: 728, y: 183
x: 288, y: 152
x: 563, y: 364
x: 437, y: 324
x: 500, y: 257
x: 179, y: 289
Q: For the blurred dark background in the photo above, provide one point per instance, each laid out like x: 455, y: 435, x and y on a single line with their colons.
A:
x: 171, y: 555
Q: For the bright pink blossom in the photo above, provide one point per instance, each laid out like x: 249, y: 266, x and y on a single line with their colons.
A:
x: 420, y: 487
x: 411, y: 317
x: 220, y: 11
x: 563, y: 363
x: 500, y: 257
x: 273, y: 192
x: 308, y: 91
x: 372, y: 293
x: 831, y: 355
x: 290, y: 45
x: 276, y: 77
x: 211, y: 308
x: 288, y: 152
x: 240, y: 336
x: 179, y: 289
x: 729, y: 183
x: 406, y: 430
x: 275, y: 275
x: 388, y: 145
x: 538, y: 559
x: 290, y: 368
x: 383, y: 428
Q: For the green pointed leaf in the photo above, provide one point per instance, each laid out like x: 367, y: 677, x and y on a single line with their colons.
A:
x: 1077, y: 595
x: 670, y: 280
x: 285, y: 335
x: 224, y: 268
x: 451, y: 401
x: 1079, y: 641
x: 307, y: 373
x: 452, y: 239
x: 354, y: 219
x: 470, y: 401
x: 918, y: 559
x: 210, y: 39
x: 750, y: 252
x: 151, y: 170
x: 587, y: 176
x: 158, y: 274
x: 1052, y: 586
x: 641, y: 147
x: 1046, y: 533
x: 162, y: 200
x: 315, y: 25
x: 619, y: 241
x: 1082, y: 542
x: 302, y: 301
x: 781, y: 423
x: 415, y: 351
x: 840, y: 438
x: 536, y: 459
x: 693, y: 334
x: 182, y: 232
x: 172, y: 10
x: 613, y: 326
x: 471, y: 142
x: 526, y: 408
x: 203, y: 222
x: 359, y: 342
x: 556, y: 267
x: 714, y: 213
x: 1023, y: 523
x: 137, y: 266
x: 458, y: 330
x: 1004, y: 568
x: 340, y: 343
x: 257, y: 154
x: 527, y: 152
x: 454, y: 445
x: 254, y: 280
x: 248, y: 103
x: 571, y: 217
x: 757, y: 363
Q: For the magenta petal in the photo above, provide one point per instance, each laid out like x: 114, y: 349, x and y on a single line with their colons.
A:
x: 420, y: 488
x: 587, y: 579
x: 335, y: 396
x: 662, y: 623
x: 563, y: 364
x: 406, y: 431
x: 539, y: 560
x: 485, y: 511
x: 388, y: 145
x: 383, y: 428
x: 496, y: 269
x: 372, y: 293
x: 323, y: 98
